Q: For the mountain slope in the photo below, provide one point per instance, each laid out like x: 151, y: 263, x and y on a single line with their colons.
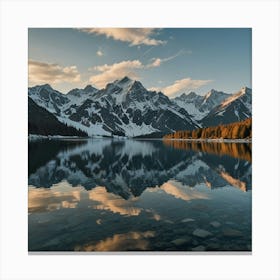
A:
x: 233, y: 109
x: 48, y: 98
x: 42, y: 122
x: 199, y: 106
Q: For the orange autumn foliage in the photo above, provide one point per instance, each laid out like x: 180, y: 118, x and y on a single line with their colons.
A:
x: 237, y: 130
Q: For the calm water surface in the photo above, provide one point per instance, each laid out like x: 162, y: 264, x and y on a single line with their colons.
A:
x: 128, y: 195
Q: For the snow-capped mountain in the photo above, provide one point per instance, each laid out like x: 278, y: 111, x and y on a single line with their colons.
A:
x: 82, y: 94
x: 48, y: 98
x: 126, y: 108
x: 199, y: 106
x: 235, y: 108
x: 123, y: 107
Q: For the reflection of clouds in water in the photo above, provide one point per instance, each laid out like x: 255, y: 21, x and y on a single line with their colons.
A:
x: 77, y: 194
x: 155, y: 215
x: 63, y: 195
x: 59, y: 196
x: 67, y: 204
x: 121, y: 242
x: 177, y: 190
x: 113, y: 203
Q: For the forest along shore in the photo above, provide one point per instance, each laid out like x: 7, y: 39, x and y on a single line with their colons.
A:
x: 233, y: 132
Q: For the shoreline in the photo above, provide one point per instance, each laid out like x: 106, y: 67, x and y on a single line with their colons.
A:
x: 55, y: 137
x: 208, y: 140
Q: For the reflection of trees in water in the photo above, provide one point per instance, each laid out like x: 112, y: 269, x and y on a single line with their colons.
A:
x: 236, y: 150
x: 42, y: 151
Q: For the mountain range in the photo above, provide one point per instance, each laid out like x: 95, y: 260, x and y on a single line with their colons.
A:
x: 126, y: 108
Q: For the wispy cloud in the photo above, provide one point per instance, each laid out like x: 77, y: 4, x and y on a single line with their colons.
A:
x: 156, y: 62
x: 115, y: 71
x: 147, y: 51
x: 42, y: 72
x: 134, y: 36
x: 99, y: 53
x: 182, y: 85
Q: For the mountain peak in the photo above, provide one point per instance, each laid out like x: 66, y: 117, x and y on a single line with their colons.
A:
x: 137, y: 85
x: 124, y: 80
x: 47, y: 87
x: 89, y: 88
x: 214, y: 94
x: 192, y: 94
x: 245, y: 89
x: 190, y: 97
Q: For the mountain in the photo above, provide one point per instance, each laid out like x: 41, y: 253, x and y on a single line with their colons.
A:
x: 48, y: 98
x: 236, y: 107
x: 126, y: 108
x: 42, y: 122
x: 123, y: 108
x: 199, y: 106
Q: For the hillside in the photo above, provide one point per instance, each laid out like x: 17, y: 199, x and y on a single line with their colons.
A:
x: 42, y: 122
x: 236, y: 130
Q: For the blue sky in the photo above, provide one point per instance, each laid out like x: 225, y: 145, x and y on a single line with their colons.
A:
x: 173, y: 60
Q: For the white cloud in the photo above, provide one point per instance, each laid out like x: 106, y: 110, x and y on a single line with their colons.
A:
x: 115, y: 71
x: 41, y: 72
x: 154, y: 89
x: 156, y: 63
x: 182, y: 85
x: 135, y: 36
x: 99, y: 53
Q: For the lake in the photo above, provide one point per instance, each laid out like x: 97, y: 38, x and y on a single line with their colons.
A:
x: 139, y: 195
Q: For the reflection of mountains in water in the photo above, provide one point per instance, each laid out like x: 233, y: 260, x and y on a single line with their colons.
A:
x: 128, y: 167
x: 232, y: 149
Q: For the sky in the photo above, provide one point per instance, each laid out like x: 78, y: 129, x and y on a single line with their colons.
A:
x: 171, y: 60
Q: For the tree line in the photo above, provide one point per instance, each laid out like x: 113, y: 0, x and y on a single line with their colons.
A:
x: 237, y: 130
x: 42, y: 122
